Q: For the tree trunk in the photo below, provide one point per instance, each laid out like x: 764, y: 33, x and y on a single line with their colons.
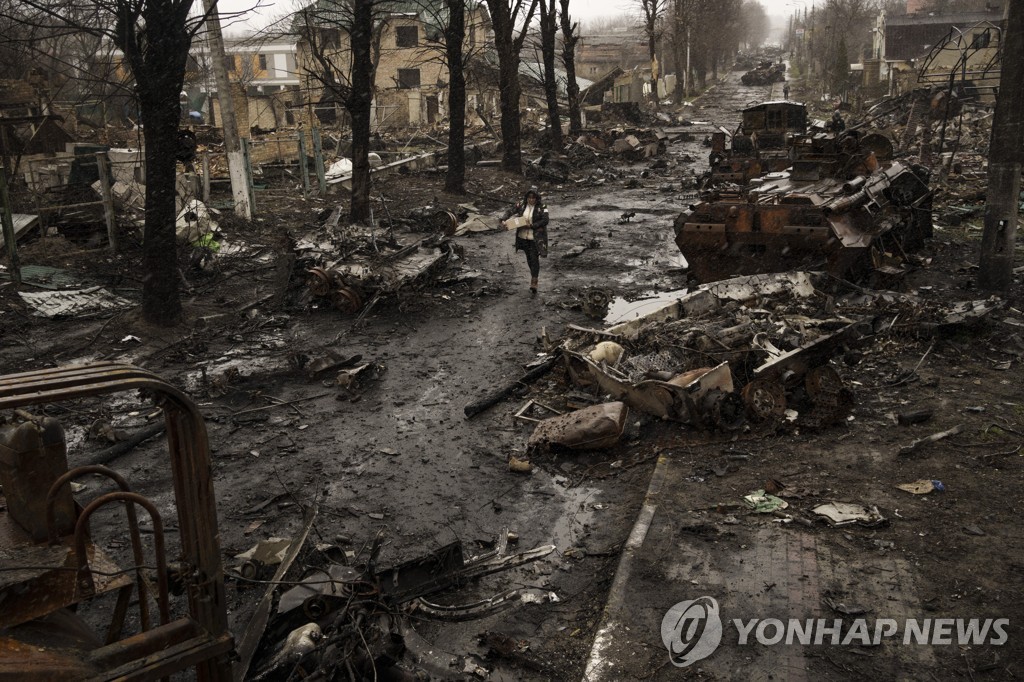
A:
x: 358, y: 105
x: 455, y: 33
x: 157, y: 62
x: 570, y: 36
x: 508, y: 84
x: 1005, y: 161
x: 161, y: 303
x: 652, y: 48
x: 548, y: 26
x: 507, y: 44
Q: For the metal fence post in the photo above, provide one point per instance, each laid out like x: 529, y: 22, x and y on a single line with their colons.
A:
x: 319, y: 153
x: 103, y: 165
x: 303, y: 165
x: 206, y: 177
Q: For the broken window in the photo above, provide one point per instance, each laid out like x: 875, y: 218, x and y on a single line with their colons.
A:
x: 407, y: 36
x: 262, y: 59
x: 408, y: 78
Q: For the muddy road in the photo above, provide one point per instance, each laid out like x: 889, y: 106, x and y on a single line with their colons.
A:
x: 395, y: 455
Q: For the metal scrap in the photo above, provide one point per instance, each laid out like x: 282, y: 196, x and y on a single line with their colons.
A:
x: 74, y: 302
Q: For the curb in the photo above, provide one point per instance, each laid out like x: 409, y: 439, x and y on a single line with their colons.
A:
x: 599, y: 666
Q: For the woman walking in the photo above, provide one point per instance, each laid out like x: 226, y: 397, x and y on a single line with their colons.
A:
x: 530, y: 219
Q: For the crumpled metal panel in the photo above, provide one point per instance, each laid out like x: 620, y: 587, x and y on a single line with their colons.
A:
x: 73, y: 303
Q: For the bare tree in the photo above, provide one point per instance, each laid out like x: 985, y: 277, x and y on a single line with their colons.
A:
x: 651, y: 14
x: 705, y: 34
x: 837, y: 32
x: 154, y: 37
x: 505, y: 15
x: 571, y: 36
x: 346, y: 70
x: 548, y: 29
x: 754, y: 24
x: 456, y: 47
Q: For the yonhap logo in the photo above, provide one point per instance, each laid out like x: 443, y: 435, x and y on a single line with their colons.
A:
x: 691, y: 630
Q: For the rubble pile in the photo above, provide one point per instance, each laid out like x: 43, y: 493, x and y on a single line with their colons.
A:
x: 340, y: 615
x: 760, y: 352
x: 922, y: 120
x: 352, y: 268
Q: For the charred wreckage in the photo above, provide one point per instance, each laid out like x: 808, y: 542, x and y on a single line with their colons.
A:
x: 841, y: 204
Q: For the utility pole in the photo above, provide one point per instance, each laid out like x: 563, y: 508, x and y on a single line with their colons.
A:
x: 999, y: 239
x: 240, y: 182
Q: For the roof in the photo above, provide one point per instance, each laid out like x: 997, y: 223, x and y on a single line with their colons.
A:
x: 950, y: 19
x: 912, y: 36
x: 433, y: 13
x: 777, y: 102
x: 535, y: 70
x: 17, y: 92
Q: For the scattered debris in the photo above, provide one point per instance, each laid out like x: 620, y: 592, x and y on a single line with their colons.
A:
x: 519, y: 466
x: 914, y: 417
x: 764, y: 503
x: 74, y: 303
x: 538, y: 370
x: 592, y: 428
x: 922, y: 487
x: 935, y: 437
x: 845, y: 513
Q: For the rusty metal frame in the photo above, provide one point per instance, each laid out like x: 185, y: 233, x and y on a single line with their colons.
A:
x: 203, y: 639
x: 959, y: 40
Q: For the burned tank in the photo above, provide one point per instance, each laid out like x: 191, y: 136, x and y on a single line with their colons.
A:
x: 766, y: 73
x: 760, y: 144
x: 809, y: 218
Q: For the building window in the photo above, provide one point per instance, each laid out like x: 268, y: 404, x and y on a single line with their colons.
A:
x: 408, y: 78
x: 262, y: 59
x: 229, y: 62
x: 407, y: 36
x: 982, y: 40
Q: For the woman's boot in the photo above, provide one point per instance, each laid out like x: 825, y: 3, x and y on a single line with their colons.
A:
x: 533, y: 286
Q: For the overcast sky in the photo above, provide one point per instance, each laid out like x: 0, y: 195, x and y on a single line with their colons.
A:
x: 583, y: 9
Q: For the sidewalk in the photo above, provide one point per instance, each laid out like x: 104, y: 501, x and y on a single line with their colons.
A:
x: 695, y: 539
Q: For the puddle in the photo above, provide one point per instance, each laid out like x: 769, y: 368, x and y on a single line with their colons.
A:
x: 580, y: 505
x: 677, y: 261
x: 620, y: 310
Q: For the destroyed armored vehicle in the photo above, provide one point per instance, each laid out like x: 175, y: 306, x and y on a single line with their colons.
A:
x: 759, y: 145
x: 765, y: 74
x: 357, y: 280
x: 807, y: 219
x: 351, y: 268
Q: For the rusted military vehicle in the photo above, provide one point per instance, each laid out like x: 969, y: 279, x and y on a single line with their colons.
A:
x: 760, y: 144
x: 810, y: 218
x: 766, y: 73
